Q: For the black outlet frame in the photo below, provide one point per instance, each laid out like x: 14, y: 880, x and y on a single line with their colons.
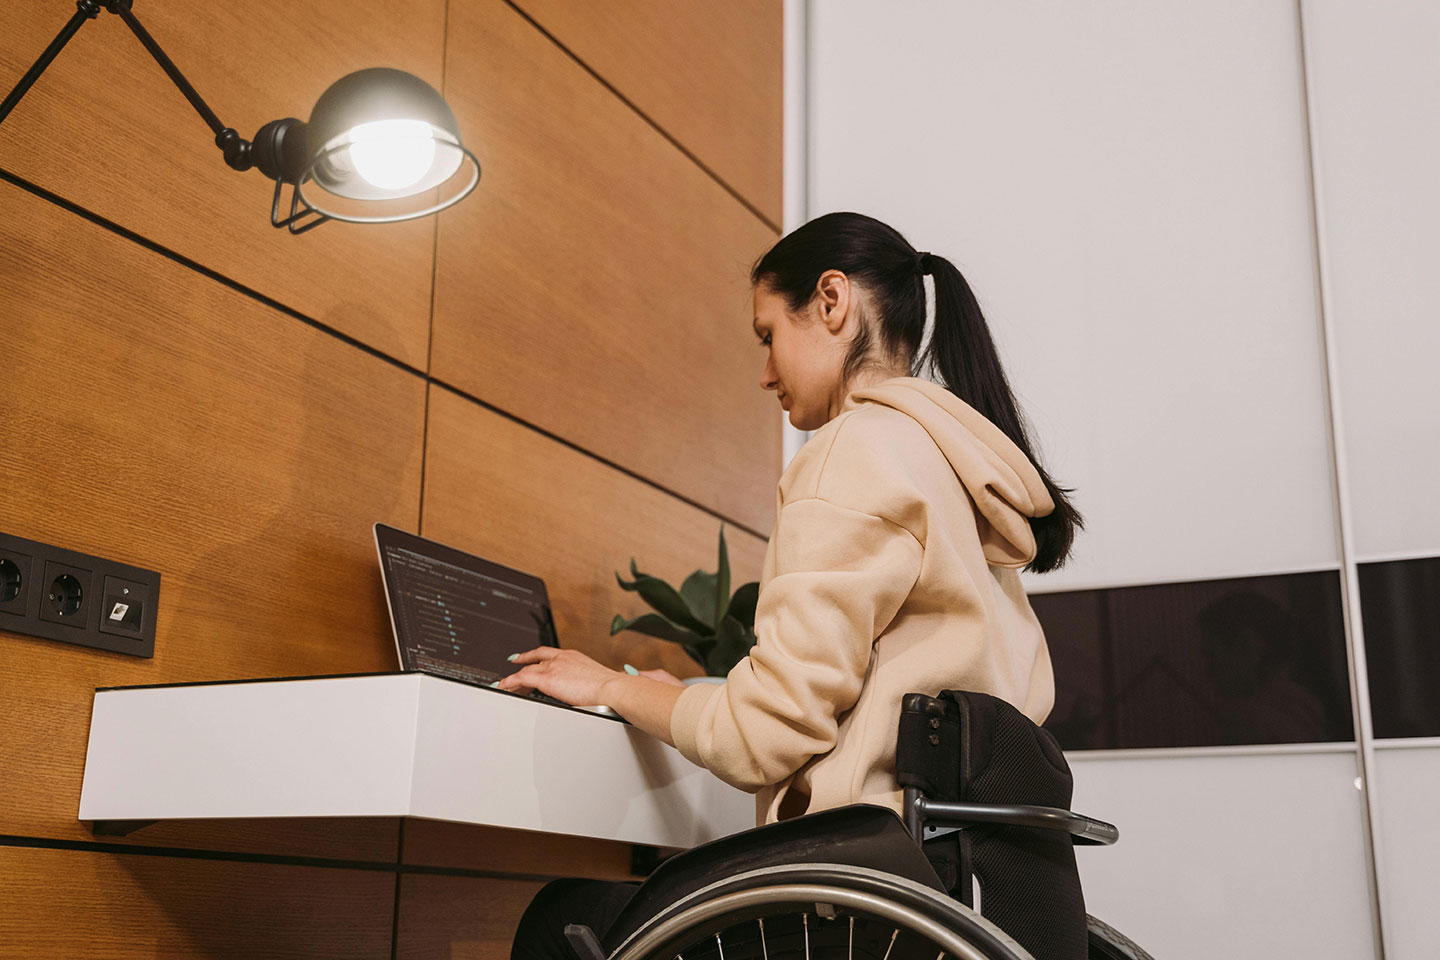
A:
x: 27, y: 615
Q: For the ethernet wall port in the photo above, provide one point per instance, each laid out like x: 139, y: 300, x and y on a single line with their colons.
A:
x: 124, y: 608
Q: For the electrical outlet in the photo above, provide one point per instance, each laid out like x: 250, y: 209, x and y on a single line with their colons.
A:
x: 16, y: 575
x: 59, y: 594
x: 67, y: 597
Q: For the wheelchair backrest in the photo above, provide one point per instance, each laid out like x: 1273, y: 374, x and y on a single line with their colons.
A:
x: 975, y: 748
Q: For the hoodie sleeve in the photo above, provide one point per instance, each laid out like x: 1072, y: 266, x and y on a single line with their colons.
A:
x: 840, y: 576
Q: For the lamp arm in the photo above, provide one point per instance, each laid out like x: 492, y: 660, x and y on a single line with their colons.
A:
x: 85, y: 10
x: 235, y: 148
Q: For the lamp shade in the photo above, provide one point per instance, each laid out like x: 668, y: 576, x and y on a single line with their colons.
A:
x: 382, y: 145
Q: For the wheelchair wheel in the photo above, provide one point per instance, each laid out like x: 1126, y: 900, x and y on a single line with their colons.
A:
x: 1107, y: 943
x: 818, y: 912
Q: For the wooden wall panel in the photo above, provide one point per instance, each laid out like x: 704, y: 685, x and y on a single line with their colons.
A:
x: 79, y: 904
x: 435, y: 843
x: 106, y: 128
x: 155, y: 417
x: 459, y: 918
x: 498, y: 489
x: 709, y: 74
x: 597, y: 283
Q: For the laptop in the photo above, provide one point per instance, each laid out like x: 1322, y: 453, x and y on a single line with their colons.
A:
x: 458, y: 616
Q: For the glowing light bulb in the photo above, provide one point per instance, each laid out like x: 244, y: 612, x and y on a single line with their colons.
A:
x: 392, y: 154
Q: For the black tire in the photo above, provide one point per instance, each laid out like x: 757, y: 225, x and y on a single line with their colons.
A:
x: 719, y: 921
x: 1107, y: 943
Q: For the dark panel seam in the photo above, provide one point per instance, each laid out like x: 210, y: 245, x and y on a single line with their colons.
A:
x: 364, y: 347
x: 200, y: 268
x: 646, y: 117
x: 327, y: 863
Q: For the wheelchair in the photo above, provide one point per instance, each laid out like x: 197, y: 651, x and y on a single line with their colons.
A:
x: 985, y: 828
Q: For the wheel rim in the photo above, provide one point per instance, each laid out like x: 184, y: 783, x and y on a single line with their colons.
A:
x: 740, y: 906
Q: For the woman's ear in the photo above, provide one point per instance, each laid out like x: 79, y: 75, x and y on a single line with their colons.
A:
x: 833, y: 294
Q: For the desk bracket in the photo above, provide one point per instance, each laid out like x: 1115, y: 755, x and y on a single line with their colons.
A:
x: 117, y: 828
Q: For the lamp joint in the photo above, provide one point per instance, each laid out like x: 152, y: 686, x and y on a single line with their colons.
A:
x: 235, y: 148
x: 90, y: 8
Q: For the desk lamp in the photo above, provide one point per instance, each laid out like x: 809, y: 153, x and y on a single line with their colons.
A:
x: 376, y: 145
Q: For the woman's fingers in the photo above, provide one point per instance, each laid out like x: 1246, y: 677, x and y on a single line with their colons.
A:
x: 564, y: 674
x: 538, y: 655
x: 521, y: 681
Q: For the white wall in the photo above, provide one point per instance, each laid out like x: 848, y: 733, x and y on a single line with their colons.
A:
x: 1128, y: 187
x: 1374, y: 73
x: 1376, y: 90
x: 1228, y: 871
x: 1125, y: 187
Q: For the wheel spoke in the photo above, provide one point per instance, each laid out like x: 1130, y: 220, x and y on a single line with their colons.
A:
x: 764, y: 950
x: 850, y: 952
x: 805, y: 919
x: 720, y: 946
x: 891, y: 945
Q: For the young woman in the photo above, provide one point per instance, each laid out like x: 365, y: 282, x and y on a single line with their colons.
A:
x: 893, y: 564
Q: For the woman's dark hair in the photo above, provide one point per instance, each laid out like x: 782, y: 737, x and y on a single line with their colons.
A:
x: 876, y: 257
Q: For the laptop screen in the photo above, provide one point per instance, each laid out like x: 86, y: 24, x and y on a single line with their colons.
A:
x: 457, y: 615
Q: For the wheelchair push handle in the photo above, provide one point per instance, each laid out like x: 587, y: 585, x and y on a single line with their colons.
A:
x: 922, y: 812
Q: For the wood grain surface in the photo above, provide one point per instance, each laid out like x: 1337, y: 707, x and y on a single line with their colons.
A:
x: 709, y: 74
x: 82, y: 905
x: 155, y: 417
x: 107, y: 129
x: 495, y: 488
x: 597, y: 284
x: 459, y: 918
x: 435, y: 843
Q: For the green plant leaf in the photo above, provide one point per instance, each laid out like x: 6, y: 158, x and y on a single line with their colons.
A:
x: 742, y: 605
x: 722, y: 580
x: 654, y: 625
x: 732, y: 644
x: 698, y: 592
x: 664, y: 599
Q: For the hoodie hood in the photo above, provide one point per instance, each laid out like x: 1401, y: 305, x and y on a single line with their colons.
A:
x: 1001, y: 480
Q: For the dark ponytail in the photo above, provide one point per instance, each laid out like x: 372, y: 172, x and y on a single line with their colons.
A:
x: 960, y: 352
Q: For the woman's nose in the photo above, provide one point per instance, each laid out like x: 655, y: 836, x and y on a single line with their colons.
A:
x: 768, y: 379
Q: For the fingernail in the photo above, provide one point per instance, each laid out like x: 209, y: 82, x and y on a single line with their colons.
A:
x: 513, y: 657
x: 631, y: 670
x: 495, y: 684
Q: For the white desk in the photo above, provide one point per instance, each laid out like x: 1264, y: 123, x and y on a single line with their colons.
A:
x: 390, y: 745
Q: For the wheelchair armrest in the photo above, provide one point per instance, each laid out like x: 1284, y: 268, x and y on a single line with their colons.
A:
x: 1083, y: 829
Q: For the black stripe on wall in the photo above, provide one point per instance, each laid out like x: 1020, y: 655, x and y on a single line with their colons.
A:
x: 1253, y: 660
x: 1400, y: 609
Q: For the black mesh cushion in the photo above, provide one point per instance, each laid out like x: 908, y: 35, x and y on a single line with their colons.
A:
x: 859, y: 835
x: 976, y: 748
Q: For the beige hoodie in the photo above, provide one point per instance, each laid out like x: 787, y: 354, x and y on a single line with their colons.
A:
x: 893, y: 568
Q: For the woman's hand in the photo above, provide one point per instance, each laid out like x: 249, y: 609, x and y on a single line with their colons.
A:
x: 566, y: 675
x: 646, y: 700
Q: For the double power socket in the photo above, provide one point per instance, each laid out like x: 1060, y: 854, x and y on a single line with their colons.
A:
x: 75, y: 598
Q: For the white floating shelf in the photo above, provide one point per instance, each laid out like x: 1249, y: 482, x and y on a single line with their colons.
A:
x: 394, y: 745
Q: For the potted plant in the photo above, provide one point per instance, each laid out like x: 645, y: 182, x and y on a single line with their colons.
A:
x: 716, y: 628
